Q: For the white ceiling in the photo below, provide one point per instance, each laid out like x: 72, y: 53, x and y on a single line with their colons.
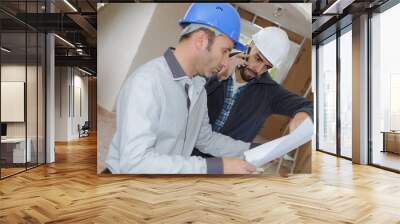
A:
x: 295, y: 16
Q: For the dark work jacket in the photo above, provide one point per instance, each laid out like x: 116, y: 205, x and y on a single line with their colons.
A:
x: 259, y: 99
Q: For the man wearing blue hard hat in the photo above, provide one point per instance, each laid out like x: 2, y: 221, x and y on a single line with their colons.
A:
x: 162, y: 108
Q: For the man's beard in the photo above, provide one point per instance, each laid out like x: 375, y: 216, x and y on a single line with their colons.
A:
x: 247, y: 74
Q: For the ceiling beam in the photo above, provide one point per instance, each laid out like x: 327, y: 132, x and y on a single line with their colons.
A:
x: 83, y: 61
x: 84, y: 24
x: 262, y: 22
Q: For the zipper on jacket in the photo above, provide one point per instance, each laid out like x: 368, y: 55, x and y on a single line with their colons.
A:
x: 187, y: 116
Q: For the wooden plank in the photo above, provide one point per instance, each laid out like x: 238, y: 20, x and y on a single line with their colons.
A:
x: 244, y: 14
x: 293, y: 36
x: 299, y: 76
x: 263, y: 22
x: 303, y: 161
x: 274, y: 126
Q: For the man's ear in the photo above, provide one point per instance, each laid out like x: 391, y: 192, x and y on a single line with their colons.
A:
x: 197, y: 40
x: 203, y: 40
x: 205, y: 44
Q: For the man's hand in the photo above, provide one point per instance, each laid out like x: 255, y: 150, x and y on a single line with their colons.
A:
x: 233, y: 165
x: 229, y: 66
x: 297, y: 120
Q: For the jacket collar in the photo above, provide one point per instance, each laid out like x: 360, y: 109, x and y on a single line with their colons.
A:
x: 173, y: 64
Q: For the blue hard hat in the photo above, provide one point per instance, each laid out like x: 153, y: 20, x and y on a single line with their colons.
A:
x: 221, y: 16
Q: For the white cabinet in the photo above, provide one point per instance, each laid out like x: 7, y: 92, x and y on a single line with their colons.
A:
x: 18, y: 149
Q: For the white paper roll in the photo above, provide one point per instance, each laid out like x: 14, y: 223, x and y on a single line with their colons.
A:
x: 269, y: 151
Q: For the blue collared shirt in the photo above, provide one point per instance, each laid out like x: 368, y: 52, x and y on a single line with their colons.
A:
x: 229, y: 100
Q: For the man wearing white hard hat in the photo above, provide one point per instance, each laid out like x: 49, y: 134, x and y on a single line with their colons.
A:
x: 244, y: 95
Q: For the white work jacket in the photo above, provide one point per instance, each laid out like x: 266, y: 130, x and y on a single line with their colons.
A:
x: 159, y: 124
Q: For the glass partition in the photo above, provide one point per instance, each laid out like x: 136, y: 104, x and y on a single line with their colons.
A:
x: 327, y: 96
x: 22, y: 88
x: 385, y: 89
x: 13, y: 105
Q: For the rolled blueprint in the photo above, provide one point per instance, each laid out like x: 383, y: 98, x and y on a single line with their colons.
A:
x: 262, y: 154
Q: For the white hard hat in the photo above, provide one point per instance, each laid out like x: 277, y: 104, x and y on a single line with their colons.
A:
x: 273, y: 43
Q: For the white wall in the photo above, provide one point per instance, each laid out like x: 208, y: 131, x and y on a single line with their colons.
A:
x: 33, y: 126
x: 80, y: 82
x: 12, y: 101
x: 155, y: 29
x: 61, y: 103
x: 15, y: 73
x: 284, y: 68
x: 66, y: 121
x: 120, y: 29
x: 163, y: 25
x: 12, y: 73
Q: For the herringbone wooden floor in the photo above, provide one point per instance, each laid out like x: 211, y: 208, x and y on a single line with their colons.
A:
x: 70, y: 191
